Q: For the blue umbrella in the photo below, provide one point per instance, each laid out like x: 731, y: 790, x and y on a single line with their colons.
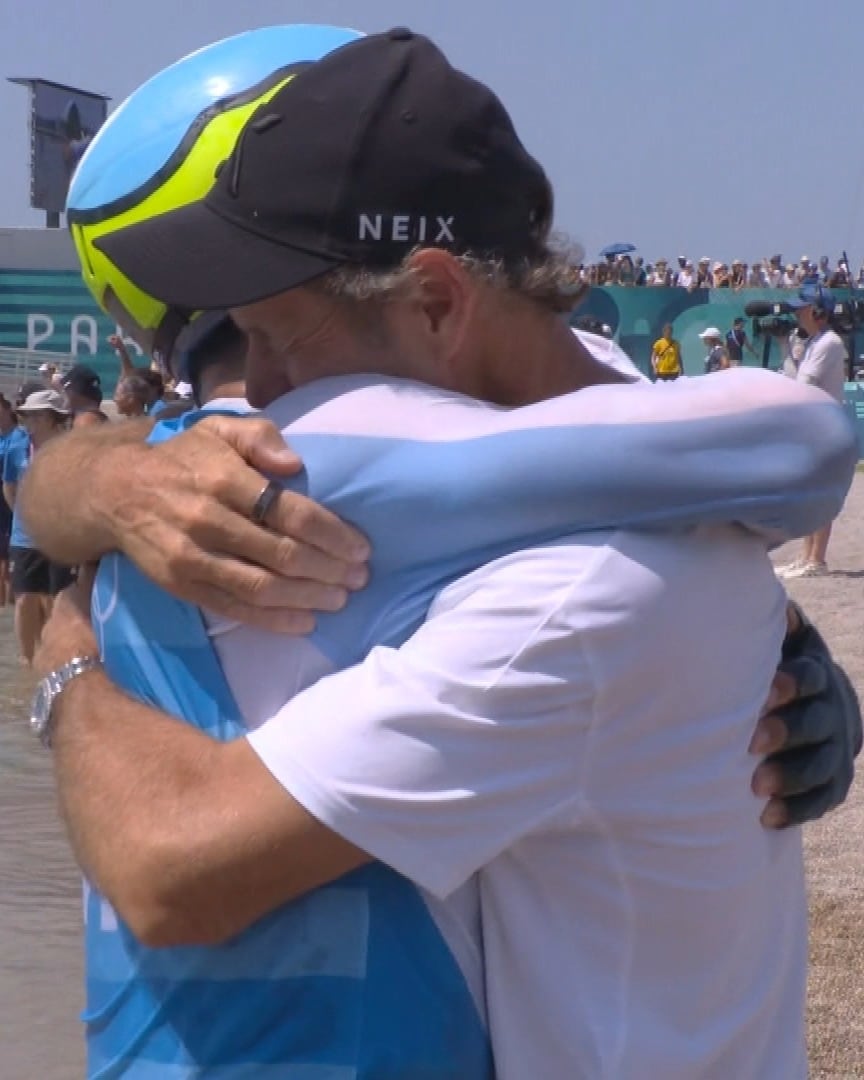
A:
x: 617, y: 249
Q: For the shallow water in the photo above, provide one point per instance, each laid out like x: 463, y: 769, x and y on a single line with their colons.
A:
x: 40, y: 900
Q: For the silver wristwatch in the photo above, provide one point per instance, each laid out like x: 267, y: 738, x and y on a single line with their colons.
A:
x: 48, y: 690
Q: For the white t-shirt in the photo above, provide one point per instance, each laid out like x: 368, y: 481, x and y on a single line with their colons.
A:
x: 584, y: 761
x: 596, y: 668
x: 824, y: 363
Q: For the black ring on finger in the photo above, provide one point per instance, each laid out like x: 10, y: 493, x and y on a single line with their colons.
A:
x: 269, y: 494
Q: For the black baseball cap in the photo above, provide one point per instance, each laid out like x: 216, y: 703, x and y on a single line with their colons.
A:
x: 204, y: 340
x: 375, y: 149
x: 80, y: 377
x: 85, y: 381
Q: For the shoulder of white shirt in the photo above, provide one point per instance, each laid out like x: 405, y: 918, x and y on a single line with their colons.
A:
x: 610, y: 353
x: 604, y: 349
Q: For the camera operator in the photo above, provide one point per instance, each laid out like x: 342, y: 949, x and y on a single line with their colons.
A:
x: 792, y: 344
x: 824, y: 365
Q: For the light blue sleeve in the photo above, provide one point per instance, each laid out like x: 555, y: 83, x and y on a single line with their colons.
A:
x: 435, y: 510
x: 15, y: 462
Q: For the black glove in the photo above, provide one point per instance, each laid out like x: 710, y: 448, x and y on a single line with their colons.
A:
x: 816, y: 765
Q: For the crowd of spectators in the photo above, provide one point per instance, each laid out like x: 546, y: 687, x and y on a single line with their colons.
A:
x: 768, y: 273
x: 140, y: 390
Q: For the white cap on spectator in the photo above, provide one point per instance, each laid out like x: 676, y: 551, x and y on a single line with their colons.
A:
x: 704, y: 261
x: 711, y: 333
x: 43, y: 369
x: 45, y: 401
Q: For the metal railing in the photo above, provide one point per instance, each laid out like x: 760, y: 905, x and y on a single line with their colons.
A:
x: 16, y: 365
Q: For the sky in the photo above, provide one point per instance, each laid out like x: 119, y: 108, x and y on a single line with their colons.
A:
x: 730, y: 129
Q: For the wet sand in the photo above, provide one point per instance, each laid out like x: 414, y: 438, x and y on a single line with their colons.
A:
x: 835, y: 846
x: 40, y: 906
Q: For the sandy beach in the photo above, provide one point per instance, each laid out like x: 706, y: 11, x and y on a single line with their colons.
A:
x: 40, y: 920
x: 835, y: 846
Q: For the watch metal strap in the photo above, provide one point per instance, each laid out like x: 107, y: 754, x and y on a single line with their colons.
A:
x: 59, y: 680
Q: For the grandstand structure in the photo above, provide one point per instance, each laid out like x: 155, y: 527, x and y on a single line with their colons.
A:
x: 17, y: 365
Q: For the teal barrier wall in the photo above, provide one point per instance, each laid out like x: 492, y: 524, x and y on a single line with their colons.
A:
x: 53, y: 310
x: 637, y: 316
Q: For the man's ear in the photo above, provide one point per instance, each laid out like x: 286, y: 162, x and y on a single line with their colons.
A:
x: 446, y: 295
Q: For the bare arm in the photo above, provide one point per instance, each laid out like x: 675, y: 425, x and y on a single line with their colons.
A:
x: 163, y: 818
x: 10, y: 492
x: 181, y: 512
x: 192, y: 840
x: 127, y: 367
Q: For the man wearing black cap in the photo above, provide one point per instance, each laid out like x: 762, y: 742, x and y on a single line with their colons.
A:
x: 214, y: 360
x: 491, y: 737
x: 83, y: 389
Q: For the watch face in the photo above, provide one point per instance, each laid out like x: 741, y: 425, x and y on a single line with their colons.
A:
x: 40, y: 708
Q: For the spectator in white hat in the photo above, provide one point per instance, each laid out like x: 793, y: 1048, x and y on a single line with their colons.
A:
x: 660, y: 275
x: 35, y: 579
x: 716, y: 357
x: 703, y: 273
x: 720, y: 275
x: 686, y: 276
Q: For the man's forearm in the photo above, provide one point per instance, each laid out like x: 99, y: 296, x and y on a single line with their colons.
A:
x: 189, y: 838
x: 60, y: 494
x: 122, y: 769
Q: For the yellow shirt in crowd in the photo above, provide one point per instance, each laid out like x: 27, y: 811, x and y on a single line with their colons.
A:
x: 667, y: 357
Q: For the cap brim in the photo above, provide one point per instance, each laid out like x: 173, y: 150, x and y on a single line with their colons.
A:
x: 194, y: 259
x: 797, y: 303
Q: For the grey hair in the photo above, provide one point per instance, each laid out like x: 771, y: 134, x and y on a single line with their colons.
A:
x: 551, y: 278
x: 135, y: 385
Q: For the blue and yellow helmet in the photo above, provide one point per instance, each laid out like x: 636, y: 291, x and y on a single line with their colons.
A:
x: 160, y: 149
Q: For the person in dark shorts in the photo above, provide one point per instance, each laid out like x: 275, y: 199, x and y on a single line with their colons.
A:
x: 737, y: 341
x: 35, y: 579
x: 11, y: 435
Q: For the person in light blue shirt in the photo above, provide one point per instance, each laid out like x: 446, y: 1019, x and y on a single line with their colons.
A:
x: 35, y: 579
x: 11, y: 437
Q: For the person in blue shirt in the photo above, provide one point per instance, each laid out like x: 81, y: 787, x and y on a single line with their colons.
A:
x: 11, y: 436
x: 35, y: 579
